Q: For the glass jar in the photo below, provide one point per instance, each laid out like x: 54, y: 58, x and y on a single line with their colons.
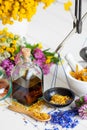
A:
x: 5, y: 85
x: 27, y: 83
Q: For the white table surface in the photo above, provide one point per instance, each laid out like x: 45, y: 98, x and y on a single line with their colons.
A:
x: 15, y: 121
x: 50, y: 27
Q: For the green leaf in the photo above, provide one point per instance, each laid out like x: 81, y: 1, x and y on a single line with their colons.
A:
x: 81, y: 99
x: 29, y: 46
x: 32, y: 47
x: 17, y: 50
x: 46, y: 50
x: 35, y: 46
x: 55, y: 60
x: 1, y: 73
x: 48, y: 53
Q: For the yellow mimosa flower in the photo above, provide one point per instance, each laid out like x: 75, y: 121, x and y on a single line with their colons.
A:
x: 12, y: 9
x: 3, y: 39
x: 40, y: 46
x: 12, y: 58
x: 1, y: 50
x: 11, y: 22
x: 14, y: 41
x: 1, y: 32
x: 8, y: 49
x: 12, y: 50
x: 47, y: 3
x: 0, y: 1
x: 67, y: 5
x: 7, y: 34
x: 3, y: 47
x: 48, y: 60
x: 5, y: 29
x: 11, y: 35
x: 14, y: 47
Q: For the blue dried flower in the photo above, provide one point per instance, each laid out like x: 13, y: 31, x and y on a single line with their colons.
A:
x: 64, y: 118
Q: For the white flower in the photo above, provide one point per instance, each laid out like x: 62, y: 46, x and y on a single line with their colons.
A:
x: 56, y: 55
x: 21, y: 42
x: 4, y: 44
x: 4, y: 56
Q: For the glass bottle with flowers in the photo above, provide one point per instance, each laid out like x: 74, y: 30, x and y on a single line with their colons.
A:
x: 26, y: 63
x: 27, y: 79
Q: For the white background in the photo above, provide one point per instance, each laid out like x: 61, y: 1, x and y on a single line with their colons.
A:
x: 49, y: 27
